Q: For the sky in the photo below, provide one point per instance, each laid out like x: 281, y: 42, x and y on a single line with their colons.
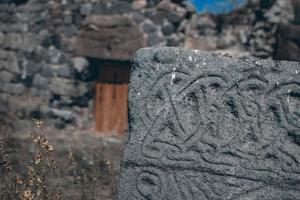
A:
x: 216, y: 6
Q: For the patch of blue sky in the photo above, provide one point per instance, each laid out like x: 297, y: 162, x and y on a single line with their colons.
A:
x: 216, y: 6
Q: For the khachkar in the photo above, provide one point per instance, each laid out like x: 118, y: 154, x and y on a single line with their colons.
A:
x: 206, y: 126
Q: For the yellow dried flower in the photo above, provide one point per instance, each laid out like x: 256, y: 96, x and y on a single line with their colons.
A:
x: 38, y: 158
x: 108, y: 162
x: 30, y: 170
x: 28, y: 194
x: 9, y: 168
x: 38, y: 123
x: 19, y: 180
x: 31, y: 181
x: 39, y: 180
x: 37, y: 139
x: 49, y: 147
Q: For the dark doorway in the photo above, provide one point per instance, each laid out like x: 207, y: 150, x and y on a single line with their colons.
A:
x: 110, y: 101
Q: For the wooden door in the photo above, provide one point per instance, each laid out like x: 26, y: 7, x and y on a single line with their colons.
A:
x: 111, y: 99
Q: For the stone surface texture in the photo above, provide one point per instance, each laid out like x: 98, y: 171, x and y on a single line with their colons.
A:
x: 206, y: 126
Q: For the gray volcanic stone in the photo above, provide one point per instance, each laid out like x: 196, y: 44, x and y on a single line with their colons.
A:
x: 149, y: 28
x: 2, y: 38
x: 3, y: 54
x: 80, y: 64
x: 154, y: 39
x: 14, y: 89
x: 206, y: 126
x: 168, y: 29
x: 6, y: 77
x: 40, y: 82
x: 61, y: 70
x: 68, y: 87
x: 65, y: 115
x: 138, y: 17
x: 10, y: 63
x: 31, y: 67
x: 57, y: 70
x: 86, y: 9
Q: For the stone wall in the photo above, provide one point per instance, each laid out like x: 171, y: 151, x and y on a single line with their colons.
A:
x: 42, y: 76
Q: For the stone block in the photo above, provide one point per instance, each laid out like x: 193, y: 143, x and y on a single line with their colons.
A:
x: 17, y: 41
x: 66, y: 115
x: 155, y: 39
x: 12, y: 67
x: 11, y: 56
x: 86, y: 9
x: 57, y: 70
x: 149, y: 28
x: 53, y: 55
x: 168, y: 29
x: 68, y: 87
x: 117, y: 8
x: 139, y: 4
x: 60, y: 70
x: 138, y: 17
x: 3, y: 54
x: 13, y: 41
x: 80, y: 64
x: 206, y: 126
x: 40, y: 82
x: 29, y: 42
x: 30, y: 67
x: 6, y: 77
x: 12, y: 28
x: 3, y: 103
x: 1, y: 38
x: 44, y: 94
x: 14, y: 89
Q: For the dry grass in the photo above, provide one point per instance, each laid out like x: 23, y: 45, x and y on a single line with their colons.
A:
x: 44, y: 175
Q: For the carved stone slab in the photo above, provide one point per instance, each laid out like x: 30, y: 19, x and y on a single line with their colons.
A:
x: 205, y: 126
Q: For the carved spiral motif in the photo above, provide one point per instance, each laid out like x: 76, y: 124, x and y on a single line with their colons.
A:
x: 216, y: 132
x: 149, y: 185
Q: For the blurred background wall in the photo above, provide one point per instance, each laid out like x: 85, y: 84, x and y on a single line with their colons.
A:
x: 54, y: 53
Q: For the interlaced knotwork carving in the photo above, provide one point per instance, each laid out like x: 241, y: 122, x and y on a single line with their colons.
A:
x: 213, y: 129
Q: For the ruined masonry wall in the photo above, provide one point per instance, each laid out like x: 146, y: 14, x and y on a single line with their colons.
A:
x: 40, y: 76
